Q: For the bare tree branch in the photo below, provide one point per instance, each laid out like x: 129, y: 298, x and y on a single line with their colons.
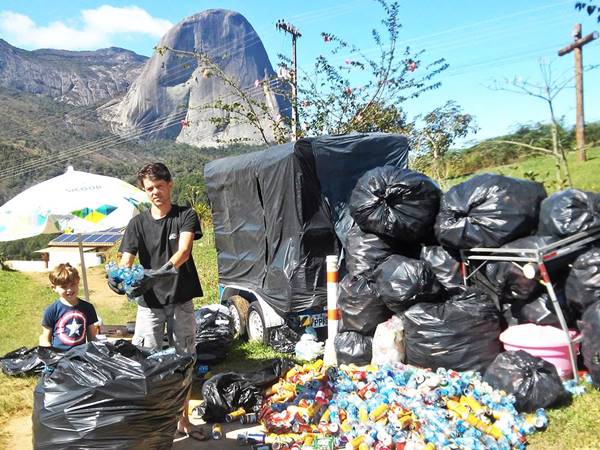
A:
x: 522, y: 144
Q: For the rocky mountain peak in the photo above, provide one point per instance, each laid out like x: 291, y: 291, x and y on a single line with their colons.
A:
x: 172, y: 88
x: 75, y: 77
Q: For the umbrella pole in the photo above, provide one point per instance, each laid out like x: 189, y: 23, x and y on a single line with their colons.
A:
x: 83, y: 271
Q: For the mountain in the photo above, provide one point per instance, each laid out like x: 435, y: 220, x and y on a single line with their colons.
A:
x: 77, y: 78
x: 172, y: 88
x: 110, y: 111
x: 40, y: 137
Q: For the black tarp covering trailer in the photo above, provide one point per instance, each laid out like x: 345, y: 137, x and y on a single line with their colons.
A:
x: 277, y: 213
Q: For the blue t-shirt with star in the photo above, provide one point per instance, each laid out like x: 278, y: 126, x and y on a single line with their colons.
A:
x: 69, y: 323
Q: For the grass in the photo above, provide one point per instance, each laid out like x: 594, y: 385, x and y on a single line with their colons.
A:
x: 585, y: 175
x: 246, y: 356
x: 574, y: 427
x: 205, y: 257
x: 22, y: 300
x: 24, y: 297
x: 21, y: 304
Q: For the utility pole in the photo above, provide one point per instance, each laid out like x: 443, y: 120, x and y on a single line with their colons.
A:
x: 576, y: 48
x: 289, y: 28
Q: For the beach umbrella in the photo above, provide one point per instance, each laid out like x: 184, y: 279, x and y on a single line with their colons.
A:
x: 74, y: 202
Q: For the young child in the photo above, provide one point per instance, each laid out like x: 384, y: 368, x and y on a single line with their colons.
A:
x: 69, y: 320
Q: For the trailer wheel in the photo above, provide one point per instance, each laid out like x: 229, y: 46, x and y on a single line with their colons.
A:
x: 238, y: 307
x: 257, y: 331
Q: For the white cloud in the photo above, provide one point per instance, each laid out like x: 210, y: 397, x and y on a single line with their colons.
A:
x: 97, y: 28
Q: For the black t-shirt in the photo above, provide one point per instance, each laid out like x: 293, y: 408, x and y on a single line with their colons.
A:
x: 155, y: 241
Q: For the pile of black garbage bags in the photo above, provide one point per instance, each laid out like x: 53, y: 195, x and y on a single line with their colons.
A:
x: 103, y: 395
x: 402, y: 257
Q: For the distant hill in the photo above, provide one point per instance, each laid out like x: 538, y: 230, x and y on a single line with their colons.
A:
x: 40, y: 137
x: 77, y: 78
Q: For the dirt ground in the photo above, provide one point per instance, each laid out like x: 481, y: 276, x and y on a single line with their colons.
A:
x: 100, y: 295
x: 19, y: 427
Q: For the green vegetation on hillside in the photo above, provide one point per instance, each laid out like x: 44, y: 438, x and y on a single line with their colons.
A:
x: 491, y: 153
x: 541, y: 168
x: 41, y: 133
x: 36, y: 131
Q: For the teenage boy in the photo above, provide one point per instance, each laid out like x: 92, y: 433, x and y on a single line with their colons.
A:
x: 162, y: 238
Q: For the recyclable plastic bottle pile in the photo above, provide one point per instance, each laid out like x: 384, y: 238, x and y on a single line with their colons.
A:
x: 391, y: 407
x: 125, y: 276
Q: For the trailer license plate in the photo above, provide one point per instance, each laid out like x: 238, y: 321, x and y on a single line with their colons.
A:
x: 319, y: 320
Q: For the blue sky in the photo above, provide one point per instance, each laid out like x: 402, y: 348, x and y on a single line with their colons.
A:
x: 482, y: 41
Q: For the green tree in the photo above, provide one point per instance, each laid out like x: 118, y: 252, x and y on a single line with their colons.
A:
x: 330, y: 99
x: 348, y: 90
x: 441, y: 128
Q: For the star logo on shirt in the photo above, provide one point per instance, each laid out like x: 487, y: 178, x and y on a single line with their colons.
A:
x: 73, y: 327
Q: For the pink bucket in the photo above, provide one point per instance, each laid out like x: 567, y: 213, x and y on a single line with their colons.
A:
x: 549, y: 343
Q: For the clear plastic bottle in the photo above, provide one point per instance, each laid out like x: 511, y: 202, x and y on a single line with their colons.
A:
x: 112, y: 270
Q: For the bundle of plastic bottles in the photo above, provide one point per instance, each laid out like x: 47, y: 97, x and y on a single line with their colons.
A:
x: 392, y: 407
x: 125, y: 276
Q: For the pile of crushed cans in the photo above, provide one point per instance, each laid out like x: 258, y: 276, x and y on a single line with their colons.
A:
x: 388, y: 407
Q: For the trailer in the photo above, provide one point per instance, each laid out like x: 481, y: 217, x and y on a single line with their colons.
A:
x: 277, y: 214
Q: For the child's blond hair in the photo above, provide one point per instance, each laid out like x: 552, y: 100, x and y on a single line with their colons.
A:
x: 64, y: 274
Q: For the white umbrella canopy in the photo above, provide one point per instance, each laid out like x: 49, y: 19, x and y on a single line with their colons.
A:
x: 75, y: 202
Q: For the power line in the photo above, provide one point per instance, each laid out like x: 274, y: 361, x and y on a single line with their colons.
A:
x: 494, y: 20
x: 305, y: 18
x: 133, y: 134
x: 65, y: 158
x: 175, y: 72
x: 178, y: 69
x: 495, y: 32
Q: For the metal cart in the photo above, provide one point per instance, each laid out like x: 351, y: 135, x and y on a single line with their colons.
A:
x: 532, y: 261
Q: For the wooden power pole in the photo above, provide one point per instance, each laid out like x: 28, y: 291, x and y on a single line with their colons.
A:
x: 289, y: 28
x: 576, y: 48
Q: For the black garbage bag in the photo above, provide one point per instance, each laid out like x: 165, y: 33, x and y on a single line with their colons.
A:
x: 360, y: 307
x: 445, y: 266
x: 568, y: 212
x: 535, y: 383
x: 365, y: 251
x: 283, y: 339
x: 539, y: 311
x: 583, y: 283
x: 460, y: 334
x: 226, y: 392
x: 590, y: 344
x: 509, y: 315
x: 403, y: 282
x: 118, y: 396
x: 395, y: 203
x: 214, y: 333
x: 23, y: 361
x: 352, y: 347
x: 488, y: 211
x: 508, y: 280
